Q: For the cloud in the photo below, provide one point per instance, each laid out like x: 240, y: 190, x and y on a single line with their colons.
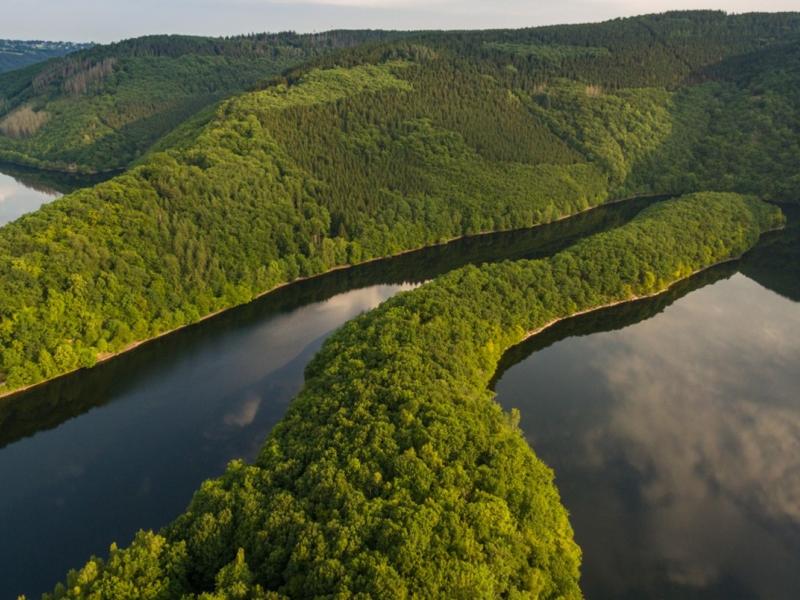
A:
x: 401, y: 4
x: 675, y: 442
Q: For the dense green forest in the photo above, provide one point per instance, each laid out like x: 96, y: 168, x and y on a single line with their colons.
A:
x: 229, y: 212
x: 15, y: 54
x: 46, y: 406
x: 100, y: 108
x: 394, y: 474
x: 384, y: 147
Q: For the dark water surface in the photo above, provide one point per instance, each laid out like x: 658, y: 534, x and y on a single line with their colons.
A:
x: 673, y: 427
x: 93, y: 457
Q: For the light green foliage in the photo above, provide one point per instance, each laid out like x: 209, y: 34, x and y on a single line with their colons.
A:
x: 323, y: 86
x: 614, y: 129
x: 248, y: 200
x: 394, y: 474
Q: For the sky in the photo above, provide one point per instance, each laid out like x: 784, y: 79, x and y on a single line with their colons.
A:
x: 109, y: 20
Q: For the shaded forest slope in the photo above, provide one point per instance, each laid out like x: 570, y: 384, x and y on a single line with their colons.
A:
x: 100, y: 108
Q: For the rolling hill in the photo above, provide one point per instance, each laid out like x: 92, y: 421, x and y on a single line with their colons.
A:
x: 100, y: 108
x: 378, y: 149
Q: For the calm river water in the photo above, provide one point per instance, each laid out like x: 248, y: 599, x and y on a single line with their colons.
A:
x: 24, y: 190
x: 95, y: 456
x: 674, y: 439
x: 673, y: 427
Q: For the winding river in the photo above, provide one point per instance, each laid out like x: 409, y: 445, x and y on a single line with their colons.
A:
x: 23, y: 190
x: 673, y: 427
x: 94, y: 456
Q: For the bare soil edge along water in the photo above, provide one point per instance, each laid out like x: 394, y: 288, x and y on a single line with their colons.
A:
x: 4, y: 394
x: 586, y: 311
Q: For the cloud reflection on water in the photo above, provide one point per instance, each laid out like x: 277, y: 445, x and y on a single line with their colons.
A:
x: 678, y: 452
x: 16, y: 199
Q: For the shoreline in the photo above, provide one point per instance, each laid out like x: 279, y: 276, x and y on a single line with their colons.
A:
x: 534, y: 332
x: 52, y: 169
x: 105, y: 357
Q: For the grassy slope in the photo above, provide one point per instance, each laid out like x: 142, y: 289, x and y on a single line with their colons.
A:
x: 393, y: 474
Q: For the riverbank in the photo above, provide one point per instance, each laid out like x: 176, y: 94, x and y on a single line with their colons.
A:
x: 639, y: 297
x: 33, y: 164
x: 393, y: 448
x: 103, y: 358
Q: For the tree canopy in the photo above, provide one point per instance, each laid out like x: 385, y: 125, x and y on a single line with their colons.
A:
x: 394, y: 474
x: 383, y: 143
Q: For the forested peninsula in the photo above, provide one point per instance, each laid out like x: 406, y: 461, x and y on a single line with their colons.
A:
x: 394, y: 474
x: 396, y: 143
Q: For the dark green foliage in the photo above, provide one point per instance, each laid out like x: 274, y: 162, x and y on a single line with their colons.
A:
x: 108, y: 104
x: 737, y: 131
x: 101, y: 108
x: 660, y: 50
x: 711, y: 99
x: 394, y: 474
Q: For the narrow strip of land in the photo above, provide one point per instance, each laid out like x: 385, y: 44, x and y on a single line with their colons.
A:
x: 393, y: 473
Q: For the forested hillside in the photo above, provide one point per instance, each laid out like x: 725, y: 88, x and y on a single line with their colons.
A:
x: 15, y: 54
x: 342, y: 166
x: 389, y: 146
x: 735, y: 129
x: 394, y: 474
x: 100, y: 108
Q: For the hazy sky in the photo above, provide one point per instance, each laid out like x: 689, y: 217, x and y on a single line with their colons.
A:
x: 106, y: 20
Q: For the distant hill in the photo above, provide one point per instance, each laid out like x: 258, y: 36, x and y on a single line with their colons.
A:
x: 15, y: 54
x: 100, y: 108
